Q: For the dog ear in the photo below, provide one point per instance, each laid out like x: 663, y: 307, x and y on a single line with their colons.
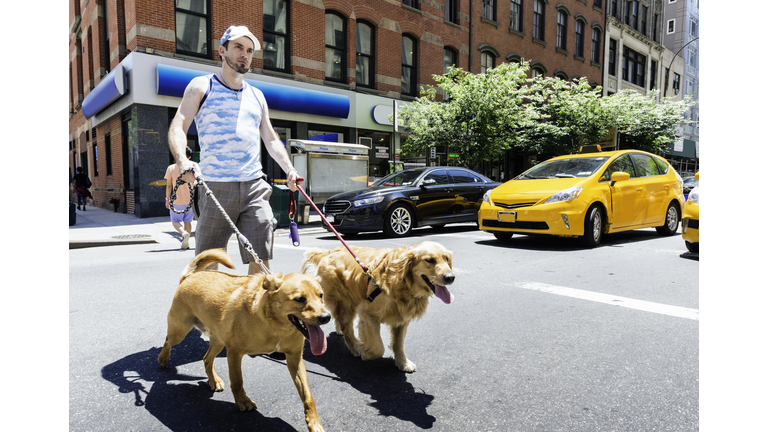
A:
x: 273, y: 282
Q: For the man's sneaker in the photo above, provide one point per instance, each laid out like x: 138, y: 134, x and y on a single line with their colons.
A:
x: 185, y: 242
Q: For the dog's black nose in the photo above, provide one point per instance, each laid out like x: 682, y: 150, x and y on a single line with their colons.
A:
x: 449, y: 278
x: 324, y: 318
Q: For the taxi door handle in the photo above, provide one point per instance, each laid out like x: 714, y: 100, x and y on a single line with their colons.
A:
x: 639, y: 188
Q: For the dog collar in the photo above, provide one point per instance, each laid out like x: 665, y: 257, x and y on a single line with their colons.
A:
x: 372, y: 296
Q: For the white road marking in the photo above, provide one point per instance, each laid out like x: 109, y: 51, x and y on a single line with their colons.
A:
x: 642, y: 305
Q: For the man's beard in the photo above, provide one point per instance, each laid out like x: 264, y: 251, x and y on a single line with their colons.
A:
x: 241, y: 69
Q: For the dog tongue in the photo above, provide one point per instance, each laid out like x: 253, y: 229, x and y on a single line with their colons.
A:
x: 317, y: 340
x: 443, y: 294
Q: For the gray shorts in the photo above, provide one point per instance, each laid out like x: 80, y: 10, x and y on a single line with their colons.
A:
x: 247, y: 205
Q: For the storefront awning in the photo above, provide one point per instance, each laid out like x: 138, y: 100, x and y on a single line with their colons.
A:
x: 173, y: 80
x: 107, y: 91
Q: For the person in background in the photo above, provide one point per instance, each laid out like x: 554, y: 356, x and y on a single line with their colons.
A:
x: 81, y: 183
x: 182, y: 223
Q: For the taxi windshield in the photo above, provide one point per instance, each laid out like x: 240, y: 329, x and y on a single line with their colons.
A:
x: 400, y: 178
x: 564, y: 168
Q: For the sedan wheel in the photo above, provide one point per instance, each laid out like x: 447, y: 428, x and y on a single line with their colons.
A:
x: 399, y: 221
x: 671, y: 221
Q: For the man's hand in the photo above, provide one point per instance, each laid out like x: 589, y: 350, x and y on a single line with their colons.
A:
x: 293, y: 180
x: 188, y: 177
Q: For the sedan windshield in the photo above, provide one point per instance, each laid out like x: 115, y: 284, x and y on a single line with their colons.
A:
x: 564, y: 168
x: 400, y: 178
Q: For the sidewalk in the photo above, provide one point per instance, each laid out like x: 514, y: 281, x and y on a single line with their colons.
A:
x: 101, y: 227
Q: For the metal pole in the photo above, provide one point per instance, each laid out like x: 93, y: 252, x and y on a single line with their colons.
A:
x: 666, y: 77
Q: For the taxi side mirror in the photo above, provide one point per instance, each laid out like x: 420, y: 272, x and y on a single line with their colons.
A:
x: 696, y: 176
x: 619, y: 176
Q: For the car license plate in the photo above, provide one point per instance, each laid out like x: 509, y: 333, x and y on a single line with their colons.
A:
x: 507, y: 216
x: 329, y: 218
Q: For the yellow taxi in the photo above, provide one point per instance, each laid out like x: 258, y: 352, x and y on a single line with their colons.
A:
x: 587, y: 195
x: 691, y: 220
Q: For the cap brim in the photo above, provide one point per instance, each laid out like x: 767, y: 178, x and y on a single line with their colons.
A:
x: 256, y: 44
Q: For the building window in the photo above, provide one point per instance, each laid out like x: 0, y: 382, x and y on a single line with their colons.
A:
x: 487, y: 61
x: 655, y: 28
x: 411, y: 3
x: 335, y: 47
x: 96, y: 147
x: 449, y: 59
x: 579, y: 47
x: 562, y: 20
x: 630, y: 15
x: 643, y: 19
x: 451, y: 14
x: 612, y: 57
x: 596, y: 45
x: 614, y: 9
x: 276, y: 35
x: 694, y: 28
x: 670, y: 26
x: 108, y: 153
x: 538, y: 19
x: 676, y: 83
x: 537, y: 72
x: 489, y: 9
x: 633, y: 70
x: 692, y: 57
x: 364, y: 67
x: 654, y: 66
x: 193, y: 27
x: 408, y: 78
x: 599, y: 3
x: 516, y: 15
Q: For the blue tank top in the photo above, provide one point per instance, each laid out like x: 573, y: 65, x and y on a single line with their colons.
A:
x: 228, y: 131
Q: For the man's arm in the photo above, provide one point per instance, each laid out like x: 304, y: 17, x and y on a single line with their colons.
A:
x: 277, y: 149
x: 177, y: 132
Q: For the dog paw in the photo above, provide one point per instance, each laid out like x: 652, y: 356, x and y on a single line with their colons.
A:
x: 216, y: 384
x: 406, y: 366
x: 245, y: 404
x: 315, y: 426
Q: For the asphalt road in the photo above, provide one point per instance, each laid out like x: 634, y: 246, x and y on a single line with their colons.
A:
x: 542, y: 336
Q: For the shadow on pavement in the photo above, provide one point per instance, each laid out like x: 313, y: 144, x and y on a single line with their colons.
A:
x: 182, y: 406
x: 387, y: 385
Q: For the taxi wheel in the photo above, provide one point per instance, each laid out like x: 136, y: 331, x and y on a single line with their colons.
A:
x: 399, y: 221
x: 692, y: 247
x: 593, y: 227
x: 671, y: 220
x: 503, y: 236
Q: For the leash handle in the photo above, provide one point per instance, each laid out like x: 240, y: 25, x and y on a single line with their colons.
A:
x: 179, y: 182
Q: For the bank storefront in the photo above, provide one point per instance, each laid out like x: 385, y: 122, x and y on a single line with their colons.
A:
x: 139, y: 98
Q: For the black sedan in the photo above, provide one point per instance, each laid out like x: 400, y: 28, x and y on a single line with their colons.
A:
x: 408, y: 199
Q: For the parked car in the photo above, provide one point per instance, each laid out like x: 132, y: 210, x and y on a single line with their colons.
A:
x: 688, y: 184
x: 587, y: 195
x: 408, y: 199
x: 691, y: 219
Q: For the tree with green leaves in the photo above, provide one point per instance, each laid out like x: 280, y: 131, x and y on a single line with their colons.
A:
x: 646, y: 124
x: 486, y: 114
x: 480, y: 118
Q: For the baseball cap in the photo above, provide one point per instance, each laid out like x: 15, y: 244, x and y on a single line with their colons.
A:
x: 235, y: 32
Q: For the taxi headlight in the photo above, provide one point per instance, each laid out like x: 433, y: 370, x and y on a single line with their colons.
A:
x: 569, y: 194
x: 693, y: 195
x: 487, y: 197
x: 367, y: 201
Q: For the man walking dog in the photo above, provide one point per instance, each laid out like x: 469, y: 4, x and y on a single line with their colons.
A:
x: 232, y: 118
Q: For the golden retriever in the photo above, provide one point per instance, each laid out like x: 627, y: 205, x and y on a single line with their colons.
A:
x: 249, y: 315
x: 407, y: 277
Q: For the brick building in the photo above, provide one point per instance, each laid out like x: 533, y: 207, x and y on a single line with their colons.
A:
x: 130, y: 61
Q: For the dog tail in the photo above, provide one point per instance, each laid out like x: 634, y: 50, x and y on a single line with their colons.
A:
x: 311, y: 261
x: 206, y: 258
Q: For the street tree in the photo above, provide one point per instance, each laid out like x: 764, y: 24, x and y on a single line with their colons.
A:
x: 568, y: 114
x: 480, y: 118
x: 645, y: 123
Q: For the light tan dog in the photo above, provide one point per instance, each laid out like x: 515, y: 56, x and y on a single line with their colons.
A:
x: 257, y: 314
x: 407, y: 277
